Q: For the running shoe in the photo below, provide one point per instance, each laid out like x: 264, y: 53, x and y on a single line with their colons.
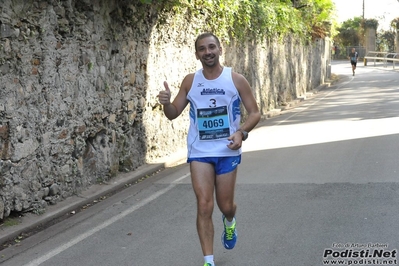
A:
x: 209, y: 264
x: 229, y: 236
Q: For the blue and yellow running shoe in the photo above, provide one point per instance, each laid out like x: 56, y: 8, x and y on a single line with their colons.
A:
x: 229, y: 236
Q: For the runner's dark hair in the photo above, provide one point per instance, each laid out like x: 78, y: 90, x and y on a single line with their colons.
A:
x: 205, y: 35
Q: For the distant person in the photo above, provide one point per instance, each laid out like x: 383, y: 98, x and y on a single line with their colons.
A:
x: 353, y: 59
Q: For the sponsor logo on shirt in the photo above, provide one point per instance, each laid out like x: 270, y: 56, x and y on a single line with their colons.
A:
x: 214, y: 91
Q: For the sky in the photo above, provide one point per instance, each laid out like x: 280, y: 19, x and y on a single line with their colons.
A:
x: 382, y: 10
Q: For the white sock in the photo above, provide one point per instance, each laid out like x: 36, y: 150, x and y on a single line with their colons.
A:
x: 229, y: 224
x: 209, y: 259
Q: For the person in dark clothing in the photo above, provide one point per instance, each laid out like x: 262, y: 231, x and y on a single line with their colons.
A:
x: 353, y: 55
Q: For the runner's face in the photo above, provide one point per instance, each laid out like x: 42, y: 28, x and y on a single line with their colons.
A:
x: 208, y: 51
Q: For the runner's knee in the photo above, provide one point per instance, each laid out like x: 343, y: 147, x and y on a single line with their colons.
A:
x: 205, y: 207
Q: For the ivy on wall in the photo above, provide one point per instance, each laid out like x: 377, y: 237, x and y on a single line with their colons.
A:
x: 254, y: 19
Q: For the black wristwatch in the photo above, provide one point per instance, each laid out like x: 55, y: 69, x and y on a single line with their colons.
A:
x: 244, y: 134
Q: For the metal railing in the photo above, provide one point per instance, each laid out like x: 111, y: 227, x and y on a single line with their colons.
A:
x: 394, y: 58
x: 385, y: 57
x: 376, y: 56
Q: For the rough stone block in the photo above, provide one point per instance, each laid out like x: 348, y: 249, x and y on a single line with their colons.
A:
x: 5, y: 31
x: 132, y: 78
x: 4, y: 131
x: 130, y: 105
x: 5, y: 68
x: 80, y: 129
x: 54, y: 190
x: 112, y: 118
x: 1, y: 209
x: 23, y: 150
x: 34, y: 71
x: 35, y: 62
x: 132, y: 116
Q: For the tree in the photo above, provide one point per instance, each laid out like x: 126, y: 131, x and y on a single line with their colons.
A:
x: 395, y: 24
x: 350, y: 32
x: 386, y: 41
x: 317, y: 14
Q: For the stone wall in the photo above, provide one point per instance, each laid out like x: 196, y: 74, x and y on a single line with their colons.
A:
x: 78, y: 86
x: 280, y: 73
x: 370, y: 39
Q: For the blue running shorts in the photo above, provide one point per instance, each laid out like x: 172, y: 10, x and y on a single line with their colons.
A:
x: 223, y: 165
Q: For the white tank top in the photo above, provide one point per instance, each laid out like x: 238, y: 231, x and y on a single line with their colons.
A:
x: 214, y: 115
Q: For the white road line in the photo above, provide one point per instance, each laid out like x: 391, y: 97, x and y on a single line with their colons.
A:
x: 89, y: 233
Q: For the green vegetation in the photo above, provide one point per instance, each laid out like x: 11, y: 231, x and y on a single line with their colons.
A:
x: 395, y: 24
x: 370, y: 23
x: 351, y: 33
x: 254, y: 19
x: 386, y: 41
x: 10, y: 221
x: 90, y: 66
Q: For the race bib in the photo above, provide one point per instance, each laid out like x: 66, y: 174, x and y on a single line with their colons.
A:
x: 213, y: 123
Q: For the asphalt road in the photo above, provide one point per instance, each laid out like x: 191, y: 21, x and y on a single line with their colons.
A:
x: 316, y: 184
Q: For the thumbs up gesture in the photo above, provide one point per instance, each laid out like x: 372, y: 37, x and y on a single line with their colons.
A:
x: 164, y: 96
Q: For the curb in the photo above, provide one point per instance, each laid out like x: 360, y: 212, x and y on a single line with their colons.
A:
x: 33, y: 223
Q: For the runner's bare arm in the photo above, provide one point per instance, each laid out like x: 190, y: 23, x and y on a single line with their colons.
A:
x: 173, y: 109
x: 248, y: 101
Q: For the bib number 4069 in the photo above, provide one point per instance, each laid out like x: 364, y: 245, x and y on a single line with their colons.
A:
x: 215, y: 123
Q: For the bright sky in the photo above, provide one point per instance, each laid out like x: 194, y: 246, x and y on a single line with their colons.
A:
x: 382, y: 10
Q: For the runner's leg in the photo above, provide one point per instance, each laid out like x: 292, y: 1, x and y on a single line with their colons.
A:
x: 203, y: 182
x: 225, y: 187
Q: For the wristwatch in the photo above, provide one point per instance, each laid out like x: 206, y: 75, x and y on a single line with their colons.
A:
x: 244, y: 134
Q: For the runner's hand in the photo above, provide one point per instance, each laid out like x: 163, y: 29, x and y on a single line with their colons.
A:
x: 164, y: 96
x: 235, y: 141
